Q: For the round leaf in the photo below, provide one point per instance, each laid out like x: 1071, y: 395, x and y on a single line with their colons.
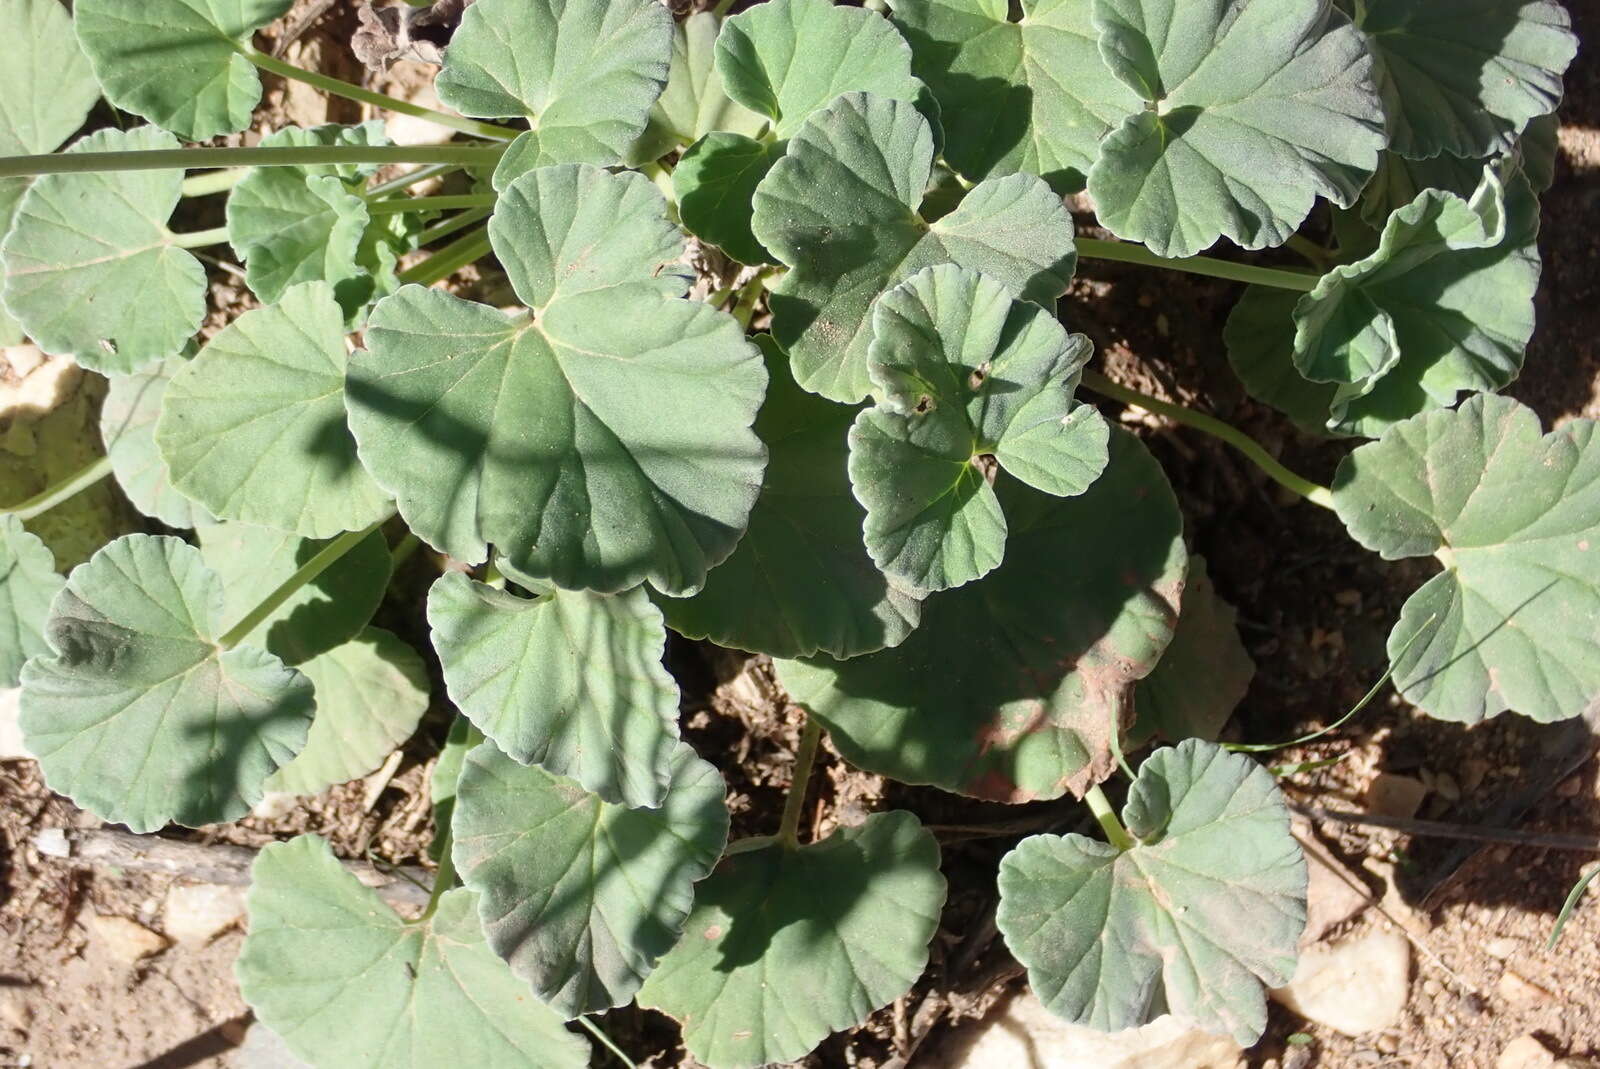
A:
x: 137, y: 714
x: 1009, y: 688
x: 177, y: 63
x: 29, y: 584
x: 1251, y: 111
x: 254, y: 427
x: 1204, y: 908
x: 788, y: 945
x: 128, y: 429
x: 578, y: 895
x: 600, y: 439
x: 1201, y: 677
x: 91, y: 270
x: 1260, y: 340
x: 715, y: 185
x: 694, y: 102
x: 801, y: 581
x: 370, y: 694
x: 962, y: 373
x: 571, y: 681
x: 840, y: 210
x: 1513, y: 621
x: 349, y: 984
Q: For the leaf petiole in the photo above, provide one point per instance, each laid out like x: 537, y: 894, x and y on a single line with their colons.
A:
x: 411, y: 178
x: 401, y: 205
x: 306, y: 573
x: 466, y: 155
x: 1100, y: 806
x: 199, y: 239
x: 1129, y: 252
x: 789, y: 831
x: 450, y: 259
x: 443, y: 878
x: 605, y: 1041
x: 48, y: 499
x: 445, y: 227
x: 201, y: 185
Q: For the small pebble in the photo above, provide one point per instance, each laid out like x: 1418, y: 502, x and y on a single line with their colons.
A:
x: 1520, y: 991
x: 1525, y: 1052
x: 1501, y: 948
x: 1569, y: 787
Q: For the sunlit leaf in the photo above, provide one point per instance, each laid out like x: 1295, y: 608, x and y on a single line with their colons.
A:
x: 28, y: 583
x: 128, y: 429
x: 694, y: 102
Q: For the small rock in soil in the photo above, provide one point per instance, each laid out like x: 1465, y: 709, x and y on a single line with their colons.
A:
x: 1332, y: 895
x: 1395, y: 796
x: 1354, y: 987
x: 1501, y: 948
x: 1525, y: 1052
x: 11, y: 748
x: 124, y: 940
x: 194, y: 914
x: 1520, y: 991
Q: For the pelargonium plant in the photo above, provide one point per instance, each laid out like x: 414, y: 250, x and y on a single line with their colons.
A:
x: 965, y: 574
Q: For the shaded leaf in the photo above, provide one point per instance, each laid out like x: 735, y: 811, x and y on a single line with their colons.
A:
x: 28, y: 584
x: 694, y: 103
x: 1202, y: 676
x: 715, y: 186
x: 128, y: 430
x: 1260, y: 339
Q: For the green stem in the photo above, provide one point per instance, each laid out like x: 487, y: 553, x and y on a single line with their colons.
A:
x: 411, y: 178
x: 1116, y: 834
x: 467, y: 155
x: 48, y: 499
x: 378, y: 100
x: 199, y: 239
x: 1314, y: 254
x: 749, y: 297
x: 450, y: 259
x: 201, y: 185
x: 443, y: 879
x: 305, y: 574
x: 605, y: 1041
x: 403, y: 550
x: 1129, y: 253
x: 445, y: 227
x: 1252, y: 449
x: 789, y: 830
x: 722, y: 8
x: 400, y: 205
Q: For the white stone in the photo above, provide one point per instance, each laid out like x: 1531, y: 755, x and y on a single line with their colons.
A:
x: 195, y: 914
x: 124, y: 940
x: 1354, y: 987
x: 1525, y: 1052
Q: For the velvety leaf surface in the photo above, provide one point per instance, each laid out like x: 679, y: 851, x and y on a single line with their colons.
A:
x: 128, y: 430
x: 694, y: 103
x: 583, y: 72
x: 103, y: 234
x: 1398, y: 181
x: 1030, y: 95
x: 324, y: 613
x: 785, y: 946
x: 1010, y: 687
x: 349, y: 984
x: 840, y: 209
x: 28, y: 583
x: 568, y: 680
x: 1513, y: 621
x: 254, y: 426
x: 1193, y: 920
x: 579, y: 896
x: 1255, y: 110
x: 177, y: 63
x: 136, y: 714
x: 801, y: 581
x: 1466, y: 77
x: 964, y: 374
x: 1203, y: 675
x: 599, y: 439
x: 370, y: 693
x: 715, y: 185
x: 446, y: 777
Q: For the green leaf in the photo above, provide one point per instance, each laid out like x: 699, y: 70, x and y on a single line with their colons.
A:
x: 840, y: 210
x: 349, y: 984
x: 964, y: 375
x: 324, y: 613
x: 579, y: 896
x: 715, y: 185
x: 446, y: 776
x: 137, y: 714
x: 28, y: 583
x: 128, y: 429
x: 1466, y: 77
x: 370, y: 694
x: 1444, y: 306
x: 599, y: 439
x: 177, y: 63
x: 571, y: 681
x: 91, y: 271
x: 801, y: 581
x: 788, y: 945
x: 583, y: 72
x: 1252, y: 111
x: 1202, y: 676
x: 1398, y: 181
x: 1515, y: 518
x: 254, y: 426
x: 1192, y: 920
x: 1031, y: 95
x: 1009, y: 688
x: 694, y: 102
x: 1260, y: 339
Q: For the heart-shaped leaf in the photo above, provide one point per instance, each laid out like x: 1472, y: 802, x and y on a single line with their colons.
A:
x: 1465, y: 78
x: 1027, y: 95
x: 324, y: 613
x: 568, y: 680
x: 91, y: 269
x: 1192, y: 919
x: 787, y: 945
x: 136, y: 713
x: 964, y: 376
x: 801, y: 581
x: 694, y: 102
x: 583, y: 72
x: 1251, y: 111
x: 177, y: 63
x: 29, y: 585
x: 840, y: 209
x: 254, y: 426
x: 370, y: 694
x: 599, y: 439
x: 128, y: 430
x: 1009, y: 688
x: 1201, y: 677
x: 349, y: 984
x: 579, y: 896
x: 1513, y: 621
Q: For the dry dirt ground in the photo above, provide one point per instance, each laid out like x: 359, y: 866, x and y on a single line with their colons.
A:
x: 1313, y: 609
